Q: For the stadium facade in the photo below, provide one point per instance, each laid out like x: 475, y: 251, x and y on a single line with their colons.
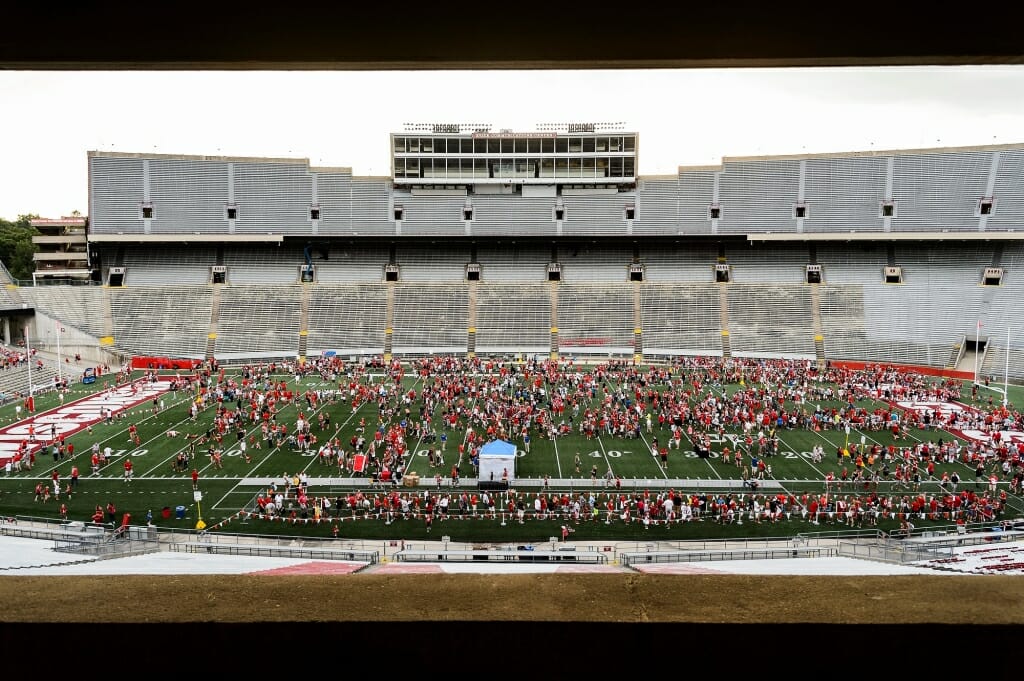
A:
x: 549, y: 243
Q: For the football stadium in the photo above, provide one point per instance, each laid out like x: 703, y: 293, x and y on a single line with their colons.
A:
x: 261, y: 414
x: 515, y: 340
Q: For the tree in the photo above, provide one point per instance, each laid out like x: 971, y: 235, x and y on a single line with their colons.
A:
x: 16, y: 247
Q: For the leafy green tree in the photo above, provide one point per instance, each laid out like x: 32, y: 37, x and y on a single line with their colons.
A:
x: 16, y: 247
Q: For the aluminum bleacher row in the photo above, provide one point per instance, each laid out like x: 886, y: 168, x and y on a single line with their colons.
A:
x: 929, y: 190
x: 766, y: 309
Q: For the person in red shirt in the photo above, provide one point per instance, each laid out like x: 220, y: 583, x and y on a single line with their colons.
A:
x: 126, y: 520
x: 127, y: 470
x: 195, y: 479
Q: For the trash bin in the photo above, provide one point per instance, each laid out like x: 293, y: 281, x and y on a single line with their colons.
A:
x: 179, y: 512
x: 166, y: 513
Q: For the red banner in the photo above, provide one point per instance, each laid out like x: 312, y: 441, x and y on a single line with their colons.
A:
x: 917, y: 369
x: 144, y: 362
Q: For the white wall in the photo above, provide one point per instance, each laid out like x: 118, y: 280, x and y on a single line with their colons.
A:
x: 495, y: 464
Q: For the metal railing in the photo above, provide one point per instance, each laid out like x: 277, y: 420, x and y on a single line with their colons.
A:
x: 630, y: 559
x: 520, y: 554
x: 106, y: 541
x: 266, y: 551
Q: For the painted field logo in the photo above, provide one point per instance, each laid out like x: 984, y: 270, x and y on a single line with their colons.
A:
x: 945, y: 411
x: 78, y: 415
x: 941, y: 409
x: 1013, y: 437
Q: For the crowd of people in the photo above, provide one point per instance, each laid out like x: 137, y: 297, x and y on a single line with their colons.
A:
x: 854, y: 510
x: 483, y: 399
x: 474, y: 400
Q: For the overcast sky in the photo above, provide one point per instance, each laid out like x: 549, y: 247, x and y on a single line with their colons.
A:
x: 50, y: 120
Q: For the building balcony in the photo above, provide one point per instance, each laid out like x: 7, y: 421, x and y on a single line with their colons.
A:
x: 71, y: 238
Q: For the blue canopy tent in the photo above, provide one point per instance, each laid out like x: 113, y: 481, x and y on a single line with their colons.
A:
x: 497, y: 462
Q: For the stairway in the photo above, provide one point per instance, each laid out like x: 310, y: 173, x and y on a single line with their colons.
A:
x: 967, y: 361
x: 15, y: 296
x: 819, y: 336
x: 211, y: 337
x: 956, y: 353
x: 108, y: 318
x: 304, y: 321
x: 638, y: 338
x: 723, y: 311
x: 389, y: 318
x: 554, y: 319
x: 471, y: 332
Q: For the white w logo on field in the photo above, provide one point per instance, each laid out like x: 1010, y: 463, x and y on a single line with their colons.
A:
x: 78, y: 415
x: 947, y: 414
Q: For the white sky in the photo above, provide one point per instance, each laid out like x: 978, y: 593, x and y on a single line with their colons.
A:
x: 50, y: 120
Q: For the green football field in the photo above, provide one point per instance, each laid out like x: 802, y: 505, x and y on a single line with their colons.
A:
x: 599, y: 465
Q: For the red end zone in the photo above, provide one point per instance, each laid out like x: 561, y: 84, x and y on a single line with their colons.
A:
x: 75, y: 416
